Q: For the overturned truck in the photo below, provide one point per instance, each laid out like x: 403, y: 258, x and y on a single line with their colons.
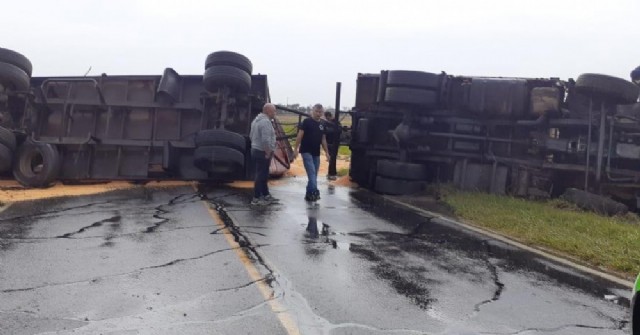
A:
x: 526, y: 137
x: 172, y: 126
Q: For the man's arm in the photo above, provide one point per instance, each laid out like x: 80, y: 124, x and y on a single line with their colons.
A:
x: 298, y: 142
x: 267, y: 150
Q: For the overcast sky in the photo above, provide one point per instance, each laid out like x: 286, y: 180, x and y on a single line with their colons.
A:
x: 305, y: 47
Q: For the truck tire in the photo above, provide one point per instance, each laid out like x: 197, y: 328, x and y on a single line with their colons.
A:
x: 416, y: 79
x: 224, y: 75
x: 621, y: 90
x: 411, y: 96
x: 594, y: 202
x: 17, y: 59
x: 14, y: 77
x: 6, y: 158
x: 229, y: 58
x: 218, y: 137
x: 401, y: 170
x: 218, y: 160
x: 362, y: 168
x: 7, y: 138
x: 397, y: 186
x: 37, y: 164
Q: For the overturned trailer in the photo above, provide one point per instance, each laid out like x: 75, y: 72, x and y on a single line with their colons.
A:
x: 526, y: 137
x: 172, y: 126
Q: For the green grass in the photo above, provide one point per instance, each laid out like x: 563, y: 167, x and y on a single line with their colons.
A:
x: 343, y: 172
x: 289, y: 129
x: 612, y: 243
x: 344, y: 151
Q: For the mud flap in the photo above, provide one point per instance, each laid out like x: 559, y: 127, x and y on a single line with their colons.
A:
x: 169, y: 157
x: 490, y: 178
x: 398, y: 186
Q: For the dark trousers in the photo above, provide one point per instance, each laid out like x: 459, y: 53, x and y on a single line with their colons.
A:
x: 261, y: 164
x: 333, y: 160
x: 334, y: 145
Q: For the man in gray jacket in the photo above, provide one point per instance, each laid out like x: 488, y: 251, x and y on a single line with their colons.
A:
x: 263, y: 144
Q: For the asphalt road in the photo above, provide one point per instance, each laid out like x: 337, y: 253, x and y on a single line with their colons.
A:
x: 183, y: 261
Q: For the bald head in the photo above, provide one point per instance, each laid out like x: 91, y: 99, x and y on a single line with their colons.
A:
x: 268, y: 106
x: 269, y: 109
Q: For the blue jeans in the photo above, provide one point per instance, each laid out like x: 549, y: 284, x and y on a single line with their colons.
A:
x: 311, y: 165
x: 261, y: 164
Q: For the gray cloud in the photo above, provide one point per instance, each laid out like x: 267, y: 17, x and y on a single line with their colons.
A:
x: 306, y: 46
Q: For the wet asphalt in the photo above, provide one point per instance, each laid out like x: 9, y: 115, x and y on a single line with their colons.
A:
x: 185, y: 261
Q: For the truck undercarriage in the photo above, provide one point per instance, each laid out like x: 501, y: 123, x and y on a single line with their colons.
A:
x: 187, y: 127
x: 526, y: 137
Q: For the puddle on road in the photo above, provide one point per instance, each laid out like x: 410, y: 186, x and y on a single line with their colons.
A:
x: 341, y: 245
x: 316, y: 228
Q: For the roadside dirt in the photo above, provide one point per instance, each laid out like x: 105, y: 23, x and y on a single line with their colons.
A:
x: 11, y: 191
x: 297, y: 170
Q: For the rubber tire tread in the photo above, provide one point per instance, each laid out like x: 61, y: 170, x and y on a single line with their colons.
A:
x: 594, y: 202
x: 224, y: 75
x: 8, y: 139
x: 51, y: 161
x: 625, y: 91
x: 229, y: 58
x: 397, y: 186
x: 206, y: 158
x: 6, y: 158
x: 415, y: 79
x: 13, y: 76
x: 411, y: 96
x: 17, y: 59
x: 401, y: 170
x: 218, y: 137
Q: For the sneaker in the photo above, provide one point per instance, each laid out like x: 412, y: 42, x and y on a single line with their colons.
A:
x: 308, y: 197
x: 258, y: 202
x: 316, y: 195
x: 269, y: 198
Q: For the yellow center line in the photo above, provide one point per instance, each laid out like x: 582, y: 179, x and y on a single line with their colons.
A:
x: 283, y: 316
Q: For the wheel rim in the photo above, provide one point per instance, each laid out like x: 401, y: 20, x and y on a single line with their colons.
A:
x: 33, y: 164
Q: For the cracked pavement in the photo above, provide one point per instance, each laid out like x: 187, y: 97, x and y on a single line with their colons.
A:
x: 154, y: 261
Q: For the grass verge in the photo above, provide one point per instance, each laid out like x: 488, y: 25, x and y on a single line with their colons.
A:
x: 344, y: 151
x: 611, y: 243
